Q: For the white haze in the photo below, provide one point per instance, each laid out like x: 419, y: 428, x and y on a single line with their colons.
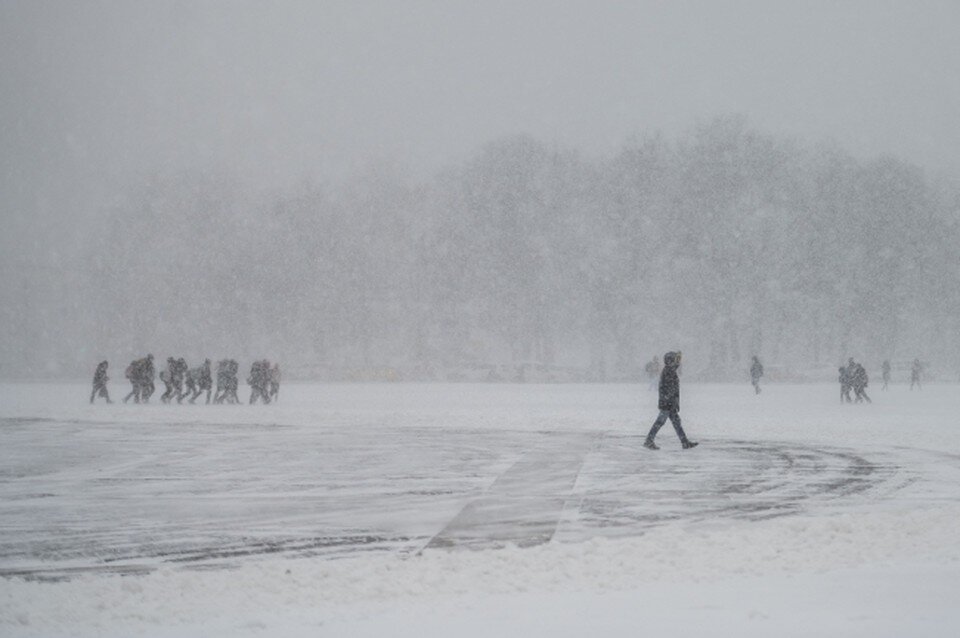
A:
x: 345, y: 185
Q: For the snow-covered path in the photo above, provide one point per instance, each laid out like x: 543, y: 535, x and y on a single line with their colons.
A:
x: 411, y: 492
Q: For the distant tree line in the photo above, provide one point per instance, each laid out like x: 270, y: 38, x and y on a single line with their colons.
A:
x: 724, y: 243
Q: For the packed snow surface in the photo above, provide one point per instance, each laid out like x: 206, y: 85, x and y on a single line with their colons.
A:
x: 475, y: 510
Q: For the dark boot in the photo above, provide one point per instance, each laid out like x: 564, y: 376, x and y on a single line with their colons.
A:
x: 650, y: 445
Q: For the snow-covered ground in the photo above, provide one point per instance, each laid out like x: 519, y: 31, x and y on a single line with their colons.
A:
x: 481, y: 510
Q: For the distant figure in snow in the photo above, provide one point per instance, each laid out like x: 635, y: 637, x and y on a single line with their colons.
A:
x: 669, y: 403
x: 147, y: 375
x: 845, y: 385
x: 140, y: 372
x: 915, y: 373
x: 756, y: 371
x: 275, y: 381
x: 859, y: 380
x: 222, y: 379
x: 259, y: 381
x: 233, y: 381
x: 100, y: 379
x: 227, y: 382
x: 167, y: 376
x: 134, y: 373
x: 653, y: 371
x: 885, y: 368
x: 179, y: 376
x: 191, y: 380
x: 202, y: 380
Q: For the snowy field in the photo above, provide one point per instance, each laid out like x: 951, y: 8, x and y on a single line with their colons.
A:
x: 481, y: 510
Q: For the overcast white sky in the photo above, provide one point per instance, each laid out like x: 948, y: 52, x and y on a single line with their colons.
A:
x: 280, y: 91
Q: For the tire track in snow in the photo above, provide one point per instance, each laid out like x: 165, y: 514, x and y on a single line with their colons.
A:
x: 524, y: 505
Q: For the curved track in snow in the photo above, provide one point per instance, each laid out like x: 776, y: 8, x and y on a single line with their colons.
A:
x: 93, y: 496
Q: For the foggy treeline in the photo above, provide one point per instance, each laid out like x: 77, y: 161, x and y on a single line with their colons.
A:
x: 724, y: 243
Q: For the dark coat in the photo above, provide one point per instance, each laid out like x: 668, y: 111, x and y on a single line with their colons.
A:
x: 669, y: 389
x: 205, y: 381
x: 148, y: 372
x: 859, y: 378
x: 100, y: 376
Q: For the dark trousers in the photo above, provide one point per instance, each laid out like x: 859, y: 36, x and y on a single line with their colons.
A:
x: 100, y: 389
x: 135, y: 393
x: 674, y: 417
x: 259, y: 391
x: 198, y: 391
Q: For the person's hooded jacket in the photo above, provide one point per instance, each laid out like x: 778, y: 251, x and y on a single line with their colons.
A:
x: 670, y: 383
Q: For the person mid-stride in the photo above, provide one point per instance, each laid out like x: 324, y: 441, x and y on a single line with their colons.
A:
x: 669, y: 403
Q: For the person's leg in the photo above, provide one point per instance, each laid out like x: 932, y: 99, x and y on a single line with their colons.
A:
x: 675, y: 420
x: 94, y: 393
x: 661, y: 419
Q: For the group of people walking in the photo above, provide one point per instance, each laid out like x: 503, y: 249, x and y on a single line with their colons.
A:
x: 183, y: 382
x: 853, y: 376
x: 264, y: 381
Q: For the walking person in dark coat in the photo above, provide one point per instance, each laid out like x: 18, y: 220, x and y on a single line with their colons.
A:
x: 179, y: 376
x: 860, y: 382
x: 204, y: 381
x: 133, y: 374
x: 886, y: 373
x: 227, y: 382
x: 100, y: 379
x: 275, y: 382
x: 231, y: 383
x: 191, y: 379
x: 669, y: 403
x: 756, y: 371
x: 147, y: 375
x: 223, y: 376
x: 846, y: 383
x: 259, y: 381
x: 167, y: 377
x: 198, y: 380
